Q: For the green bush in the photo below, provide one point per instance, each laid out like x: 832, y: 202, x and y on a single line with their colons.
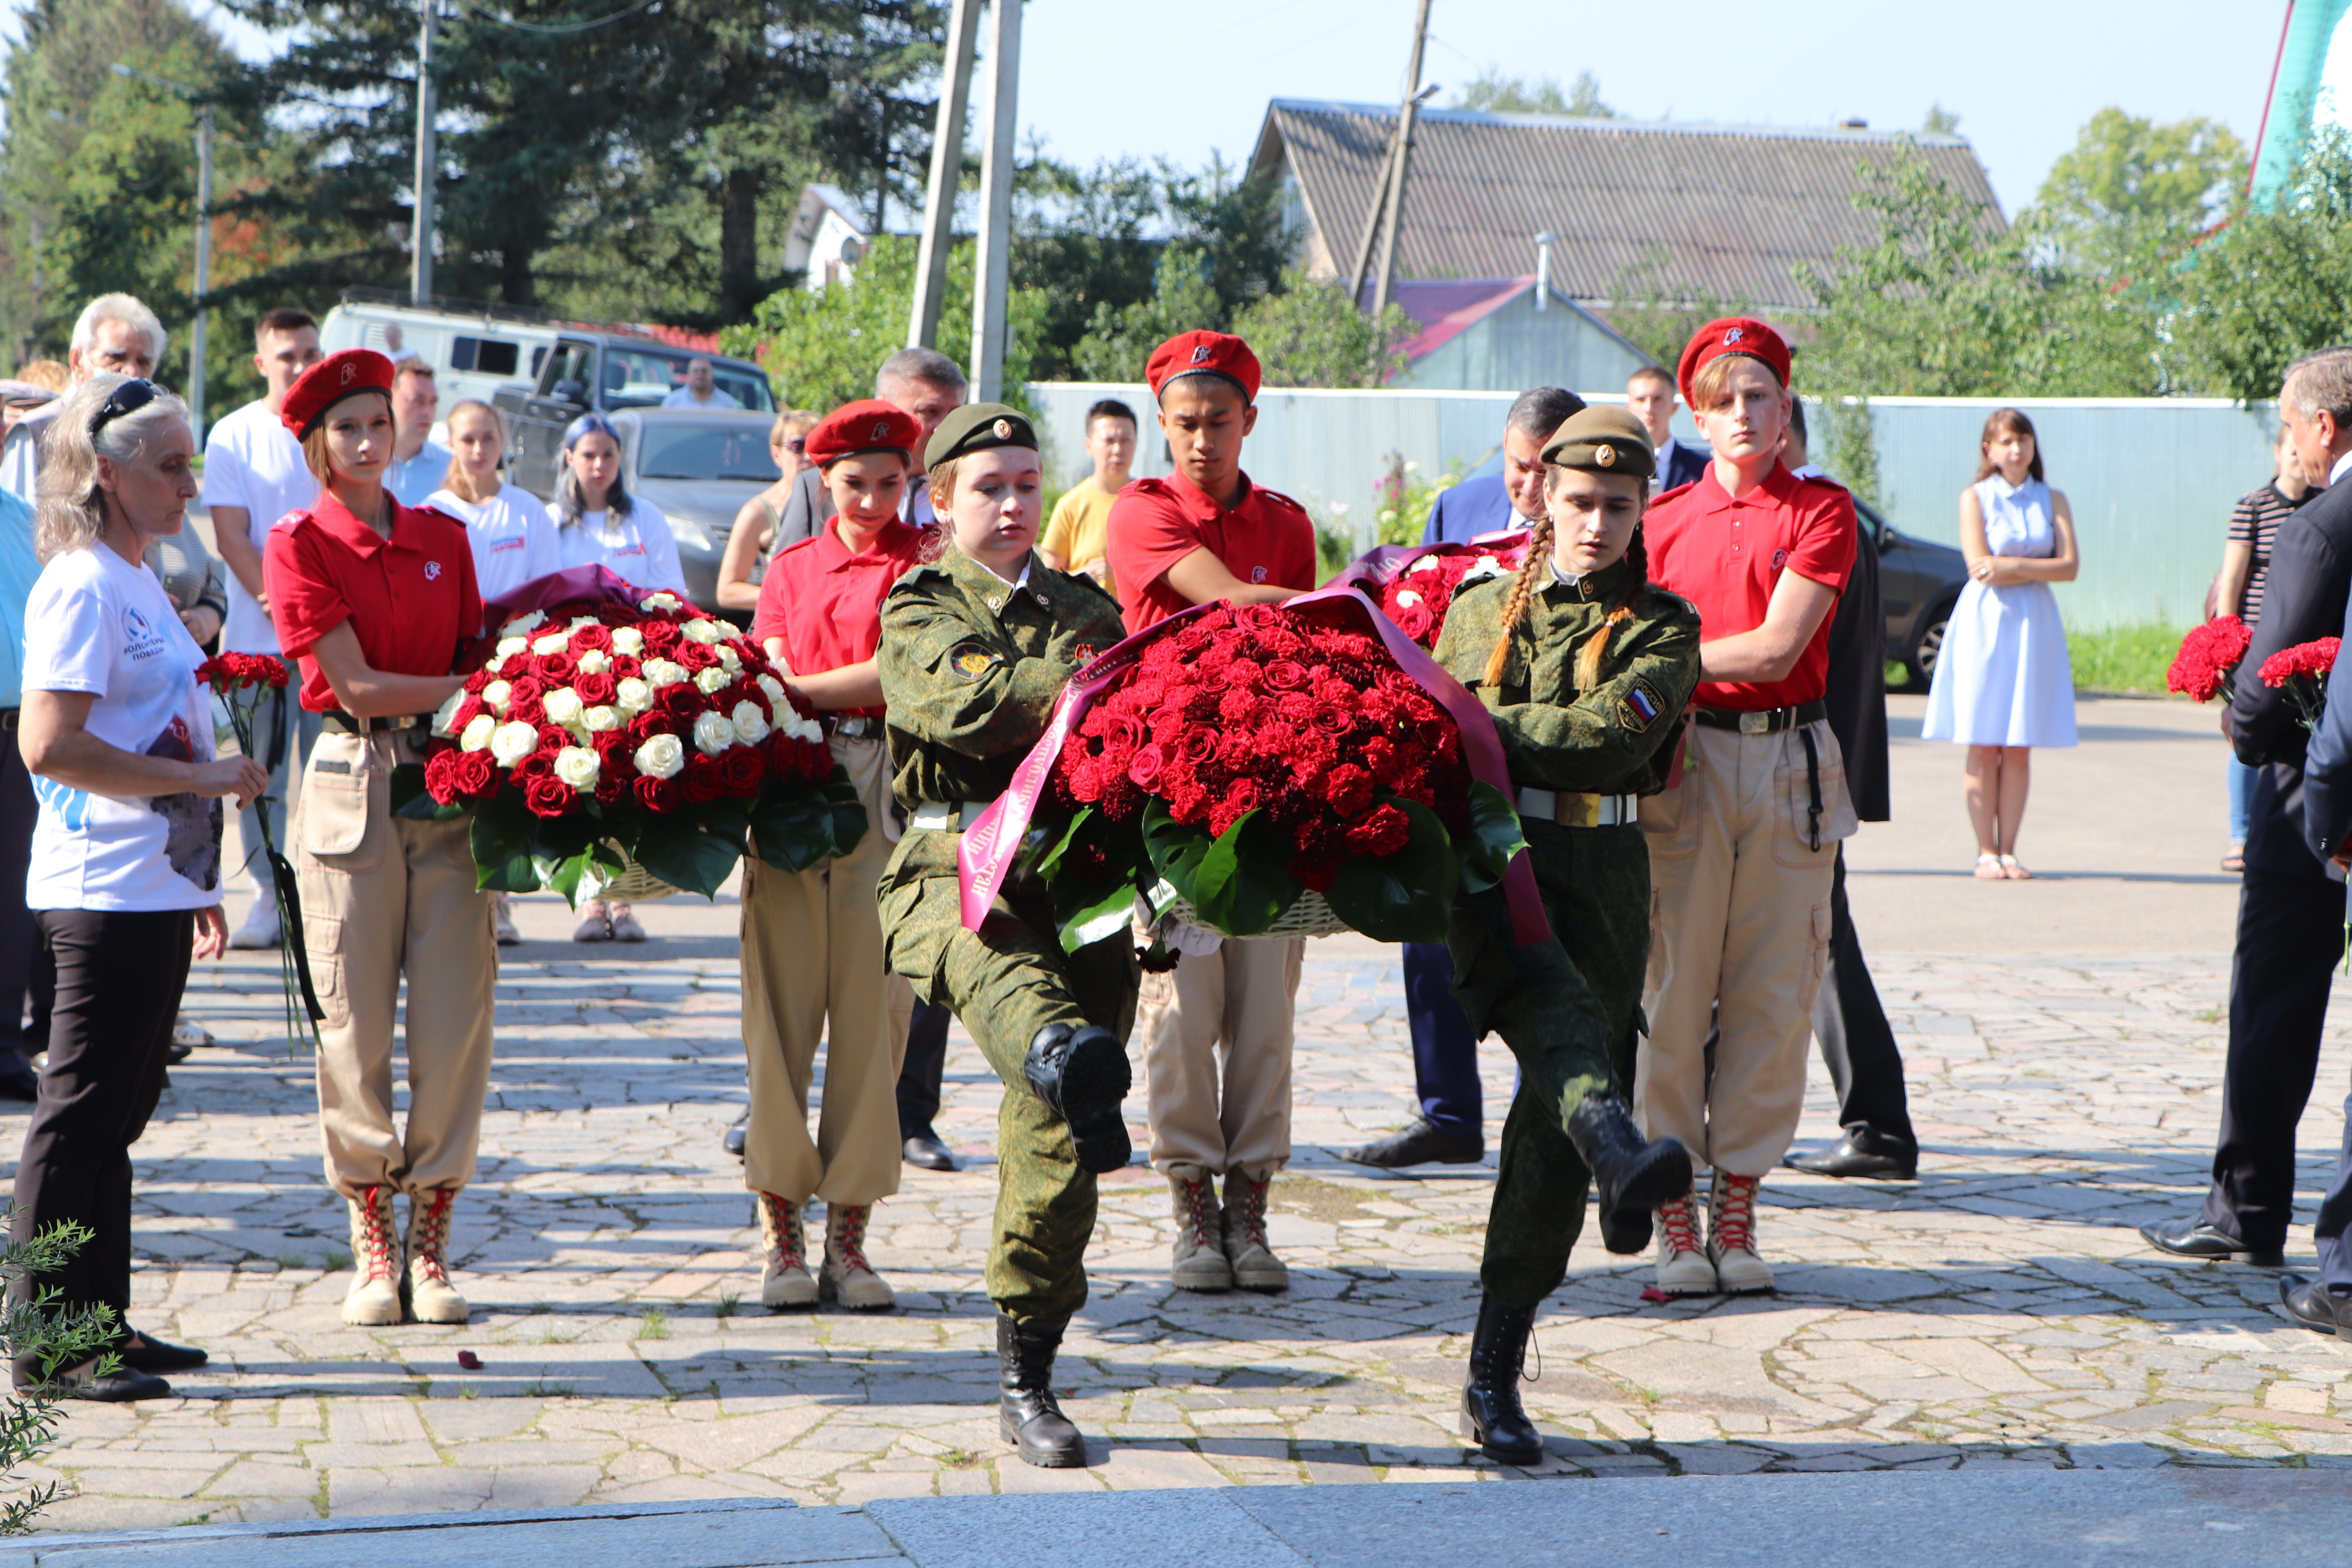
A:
x: 2123, y: 658
x: 54, y: 1340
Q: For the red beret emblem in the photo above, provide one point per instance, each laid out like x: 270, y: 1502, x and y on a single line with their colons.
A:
x: 881, y: 430
x: 1200, y: 353
x: 351, y: 372
x: 1733, y: 336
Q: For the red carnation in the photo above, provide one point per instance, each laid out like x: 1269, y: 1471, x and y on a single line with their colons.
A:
x: 547, y: 796
x: 1382, y: 831
x: 660, y: 796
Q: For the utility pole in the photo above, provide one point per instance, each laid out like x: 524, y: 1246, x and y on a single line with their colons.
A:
x: 992, y: 273
x: 428, y: 160
x: 204, y: 236
x: 947, y: 172
x: 1398, y: 165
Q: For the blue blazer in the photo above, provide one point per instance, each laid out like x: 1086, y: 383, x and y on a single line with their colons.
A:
x: 1463, y: 511
x: 1684, y: 464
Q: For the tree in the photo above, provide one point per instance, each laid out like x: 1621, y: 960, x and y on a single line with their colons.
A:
x: 2129, y: 187
x: 1495, y: 93
x: 2272, y: 286
x: 1306, y: 333
x: 1656, y: 322
x: 1940, y: 121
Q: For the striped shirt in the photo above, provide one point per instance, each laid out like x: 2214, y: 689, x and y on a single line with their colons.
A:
x: 2255, y: 523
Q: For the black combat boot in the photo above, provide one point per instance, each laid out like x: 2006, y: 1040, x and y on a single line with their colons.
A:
x: 1491, y: 1415
x: 1081, y: 1075
x: 1025, y: 1410
x: 1632, y: 1177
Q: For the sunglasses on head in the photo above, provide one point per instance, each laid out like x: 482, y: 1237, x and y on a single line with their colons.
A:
x: 129, y: 399
x: 797, y: 446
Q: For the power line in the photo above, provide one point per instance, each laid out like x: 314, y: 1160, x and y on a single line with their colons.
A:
x: 554, y: 27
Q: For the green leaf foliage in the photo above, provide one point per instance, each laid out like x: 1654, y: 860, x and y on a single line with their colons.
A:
x: 680, y: 850
x: 501, y: 837
x: 1404, y: 897
x: 1495, y: 836
x: 799, y: 829
x: 1238, y: 882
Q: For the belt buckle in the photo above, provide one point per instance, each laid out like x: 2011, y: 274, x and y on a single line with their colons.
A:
x: 1755, y: 723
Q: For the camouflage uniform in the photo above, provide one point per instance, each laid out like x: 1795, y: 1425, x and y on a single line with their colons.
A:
x: 1568, y: 1008
x: 971, y: 667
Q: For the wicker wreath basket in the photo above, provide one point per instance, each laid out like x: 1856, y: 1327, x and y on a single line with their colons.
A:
x: 634, y: 884
x: 1310, y: 915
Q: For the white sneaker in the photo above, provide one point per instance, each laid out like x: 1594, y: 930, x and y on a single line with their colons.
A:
x: 260, y: 927
x: 1731, y: 1234
x: 1683, y: 1267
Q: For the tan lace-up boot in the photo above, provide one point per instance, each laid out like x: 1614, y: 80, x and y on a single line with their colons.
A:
x: 1199, y: 1262
x: 1683, y: 1267
x: 424, y: 1283
x: 1256, y: 1268
x: 1731, y: 1234
x: 785, y: 1283
x: 374, y: 1300
x: 845, y: 1277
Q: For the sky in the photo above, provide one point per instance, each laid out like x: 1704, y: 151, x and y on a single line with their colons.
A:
x: 1151, y: 78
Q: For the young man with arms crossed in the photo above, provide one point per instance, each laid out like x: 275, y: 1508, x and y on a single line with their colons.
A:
x: 1206, y: 534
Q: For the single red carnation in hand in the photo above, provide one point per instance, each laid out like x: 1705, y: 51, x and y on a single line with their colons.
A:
x: 2312, y: 659
x: 2207, y: 655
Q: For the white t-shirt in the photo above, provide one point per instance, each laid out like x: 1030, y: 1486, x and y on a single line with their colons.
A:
x: 683, y: 397
x: 512, y: 536
x: 99, y: 624
x: 20, y: 456
x: 253, y: 461
x: 639, y: 549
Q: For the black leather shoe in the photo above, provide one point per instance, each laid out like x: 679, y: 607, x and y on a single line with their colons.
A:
x: 1863, y: 1152
x: 1081, y: 1075
x: 1026, y: 1411
x: 2314, y: 1306
x: 1630, y: 1175
x: 2195, y: 1240
x: 145, y: 1352
x: 736, y: 1129
x: 1422, y: 1143
x: 1491, y: 1417
x: 926, y: 1150
x: 121, y: 1387
x: 22, y: 1084
x: 177, y: 1052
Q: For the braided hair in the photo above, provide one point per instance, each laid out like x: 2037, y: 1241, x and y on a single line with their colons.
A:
x: 1538, y: 559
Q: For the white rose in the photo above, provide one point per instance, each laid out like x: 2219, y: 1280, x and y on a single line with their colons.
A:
x: 511, y: 744
x: 596, y: 721
x: 661, y: 672
x: 563, y: 707
x: 508, y: 647
x: 496, y: 666
x: 1406, y: 598
x: 578, y: 766
x: 635, y: 696
x: 628, y: 640
x: 713, y: 733
x: 701, y: 631
x: 1487, y: 563
x: 553, y: 642
x: 751, y: 724
x: 578, y: 621
x: 712, y: 679
x: 661, y: 757
x: 1426, y: 564
x: 593, y: 662
x: 730, y: 658
x: 476, y: 737
x: 495, y: 696
x: 661, y: 602
x: 522, y: 626
x: 800, y: 729
x: 444, y: 715
x: 775, y: 691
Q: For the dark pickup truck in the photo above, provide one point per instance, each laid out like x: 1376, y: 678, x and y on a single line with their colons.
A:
x: 606, y: 372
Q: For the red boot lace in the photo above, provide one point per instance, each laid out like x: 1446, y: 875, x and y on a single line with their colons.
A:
x: 784, y: 1243
x: 382, y: 1258
x: 846, y: 1234
x: 1734, y: 1213
x: 1678, y: 1218
x: 1252, y: 1206
x: 433, y: 1236
x: 1201, y: 1212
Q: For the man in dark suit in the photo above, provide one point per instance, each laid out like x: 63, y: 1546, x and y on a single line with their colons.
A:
x: 2291, y: 909
x: 1650, y: 397
x: 1513, y: 499
x: 1449, y: 1123
x: 1849, y: 1024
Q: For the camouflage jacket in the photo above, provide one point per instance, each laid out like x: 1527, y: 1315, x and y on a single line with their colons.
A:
x: 1609, y: 740
x: 970, y: 666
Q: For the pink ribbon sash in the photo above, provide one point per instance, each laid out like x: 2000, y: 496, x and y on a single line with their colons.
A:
x: 990, y: 845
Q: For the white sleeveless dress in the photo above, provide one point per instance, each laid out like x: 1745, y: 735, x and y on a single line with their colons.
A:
x: 2004, y: 679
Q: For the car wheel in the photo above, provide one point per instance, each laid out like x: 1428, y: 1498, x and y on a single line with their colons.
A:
x: 1922, y: 662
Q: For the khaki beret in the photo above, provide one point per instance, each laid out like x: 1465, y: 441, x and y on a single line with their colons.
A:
x: 975, y: 427
x: 1603, y: 440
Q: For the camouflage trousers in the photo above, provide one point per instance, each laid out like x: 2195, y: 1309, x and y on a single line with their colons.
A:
x: 1006, y: 982
x: 1570, y: 1009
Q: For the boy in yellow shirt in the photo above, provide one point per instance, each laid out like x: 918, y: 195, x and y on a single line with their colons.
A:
x: 1077, y: 535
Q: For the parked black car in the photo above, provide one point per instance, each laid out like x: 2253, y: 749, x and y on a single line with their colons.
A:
x: 1917, y: 585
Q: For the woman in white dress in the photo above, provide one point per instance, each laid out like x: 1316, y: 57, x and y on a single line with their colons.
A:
x: 2004, y: 684
x: 599, y: 523
x: 512, y: 538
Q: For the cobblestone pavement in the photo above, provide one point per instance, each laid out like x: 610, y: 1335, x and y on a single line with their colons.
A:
x: 1999, y: 1311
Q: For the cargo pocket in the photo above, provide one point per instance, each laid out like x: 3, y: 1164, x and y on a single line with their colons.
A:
x: 1793, y: 783
x: 1816, y: 962
x: 1669, y: 825
x: 323, y: 940
x: 332, y: 825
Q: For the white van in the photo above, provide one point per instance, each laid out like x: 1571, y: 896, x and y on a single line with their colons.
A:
x: 472, y: 354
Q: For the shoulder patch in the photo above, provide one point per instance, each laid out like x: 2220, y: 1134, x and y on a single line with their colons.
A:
x: 1641, y: 706
x: 971, y: 661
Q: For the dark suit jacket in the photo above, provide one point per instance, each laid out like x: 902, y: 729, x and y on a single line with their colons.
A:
x: 1684, y: 464
x: 1463, y: 511
x: 2303, y: 599
x: 1856, y: 694
x: 805, y: 513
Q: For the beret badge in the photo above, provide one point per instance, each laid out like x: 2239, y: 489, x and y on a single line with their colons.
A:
x: 1004, y: 428
x: 1605, y: 454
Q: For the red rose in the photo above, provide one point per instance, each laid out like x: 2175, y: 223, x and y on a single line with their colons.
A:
x: 538, y: 765
x: 480, y: 680
x: 555, y: 669
x: 477, y: 774
x: 547, y: 796
x: 467, y: 712
x: 616, y: 752
x: 441, y: 775
x: 694, y: 656
x: 610, y: 788
x: 662, y: 637
x: 596, y: 689
x: 1143, y: 769
x: 660, y: 796
x: 1285, y: 675
x: 679, y: 703
x: 525, y: 689
x: 742, y: 767
x: 624, y: 668
x: 597, y: 639
x: 646, y: 726
x: 704, y: 780
x: 553, y: 738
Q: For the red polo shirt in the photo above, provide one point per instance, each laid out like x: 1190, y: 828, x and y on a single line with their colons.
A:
x: 826, y: 600
x: 1155, y: 523
x: 410, y: 598
x: 1725, y: 556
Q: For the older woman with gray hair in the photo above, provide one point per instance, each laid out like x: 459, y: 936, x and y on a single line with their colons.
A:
x: 125, y: 881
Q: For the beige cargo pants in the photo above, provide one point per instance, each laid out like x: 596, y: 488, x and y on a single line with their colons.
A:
x: 1217, y: 1036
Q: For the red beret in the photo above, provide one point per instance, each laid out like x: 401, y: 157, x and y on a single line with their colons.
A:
x: 1732, y: 335
x: 331, y: 380
x: 1204, y: 353
x: 868, y: 425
